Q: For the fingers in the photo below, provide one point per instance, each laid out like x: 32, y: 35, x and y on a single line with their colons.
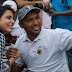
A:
x: 51, y: 10
x: 52, y: 13
x: 13, y: 56
x: 18, y: 53
x: 13, y: 52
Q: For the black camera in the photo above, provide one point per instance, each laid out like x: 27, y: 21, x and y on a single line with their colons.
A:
x: 42, y: 6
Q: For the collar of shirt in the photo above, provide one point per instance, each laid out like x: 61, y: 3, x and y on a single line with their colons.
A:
x: 40, y: 36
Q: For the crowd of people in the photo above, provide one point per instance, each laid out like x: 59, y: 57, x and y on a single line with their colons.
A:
x: 26, y: 45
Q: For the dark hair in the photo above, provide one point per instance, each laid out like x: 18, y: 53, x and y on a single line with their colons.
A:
x: 3, y: 9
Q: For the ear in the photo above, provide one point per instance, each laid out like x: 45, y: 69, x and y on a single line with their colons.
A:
x: 21, y: 25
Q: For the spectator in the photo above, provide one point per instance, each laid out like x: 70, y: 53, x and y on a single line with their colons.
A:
x: 62, y: 18
x: 16, y: 30
x: 6, y: 23
x: 42, y: 50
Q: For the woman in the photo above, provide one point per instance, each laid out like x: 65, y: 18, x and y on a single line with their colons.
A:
x: 6, y: 24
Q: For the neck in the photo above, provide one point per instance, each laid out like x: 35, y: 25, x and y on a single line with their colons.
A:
x: 31, y: 37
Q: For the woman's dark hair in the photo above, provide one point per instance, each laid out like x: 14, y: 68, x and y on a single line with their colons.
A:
x: 3, y: 9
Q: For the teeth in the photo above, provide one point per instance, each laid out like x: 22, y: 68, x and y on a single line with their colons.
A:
x: 36, y: 28
x: 10, y: 25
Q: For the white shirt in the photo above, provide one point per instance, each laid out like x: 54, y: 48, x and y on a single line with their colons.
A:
x: 17, y: 30
x: 47, y: 52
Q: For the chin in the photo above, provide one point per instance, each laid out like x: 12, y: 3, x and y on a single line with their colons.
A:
x: 9, y: 31
x: 37, y: 32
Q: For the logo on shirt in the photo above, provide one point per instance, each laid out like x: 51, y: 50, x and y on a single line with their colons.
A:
x: 27, y: 7
x: 39, y: 51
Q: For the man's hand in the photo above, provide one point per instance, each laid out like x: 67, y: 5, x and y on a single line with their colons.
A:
x: 13, y: 53
x: 53, y: 13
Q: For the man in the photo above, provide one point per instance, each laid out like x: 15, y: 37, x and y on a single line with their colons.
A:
x: 62, y: 18
x: 62, y: 14
x: 42, y: 50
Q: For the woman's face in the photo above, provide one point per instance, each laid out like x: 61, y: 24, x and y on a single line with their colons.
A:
x: 6, y: 22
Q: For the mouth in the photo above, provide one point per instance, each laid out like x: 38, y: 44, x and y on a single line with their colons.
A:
x: 10, y: 26
x: 36, y: 28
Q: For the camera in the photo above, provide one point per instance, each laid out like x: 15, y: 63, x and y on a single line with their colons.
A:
x: 42, y: 6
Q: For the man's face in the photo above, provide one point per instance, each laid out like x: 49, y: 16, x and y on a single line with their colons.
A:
x: 32, y: 23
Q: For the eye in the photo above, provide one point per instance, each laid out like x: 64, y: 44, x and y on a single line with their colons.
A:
x: 29, y: 20
x: 8, y: 17
x: 37, y: 17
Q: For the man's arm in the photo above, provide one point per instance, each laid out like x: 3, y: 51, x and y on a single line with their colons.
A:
x: 22, y: 3
x: 15, y: 68
x: 66, y: 13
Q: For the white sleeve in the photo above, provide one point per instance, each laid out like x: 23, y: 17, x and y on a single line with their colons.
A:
x: 19, y: 62
x: 64, y: 39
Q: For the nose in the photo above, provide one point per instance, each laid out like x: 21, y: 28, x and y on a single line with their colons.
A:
x: 35, y: 22
x: 12, y: 21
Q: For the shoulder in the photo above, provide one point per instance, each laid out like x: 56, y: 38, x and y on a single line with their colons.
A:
x: 22, y: 36
x: 20, y: 39
x: 55, y: 32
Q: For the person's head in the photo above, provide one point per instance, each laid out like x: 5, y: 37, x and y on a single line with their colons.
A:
x: 13, y: 5
x: 6, y: 19
x: 30, y: 19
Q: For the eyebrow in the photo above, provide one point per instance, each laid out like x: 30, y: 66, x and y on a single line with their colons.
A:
x: 8, y: 16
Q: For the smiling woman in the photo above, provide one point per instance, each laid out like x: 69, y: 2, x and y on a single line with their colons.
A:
x: 6, y: 20
x: 6, y: 24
